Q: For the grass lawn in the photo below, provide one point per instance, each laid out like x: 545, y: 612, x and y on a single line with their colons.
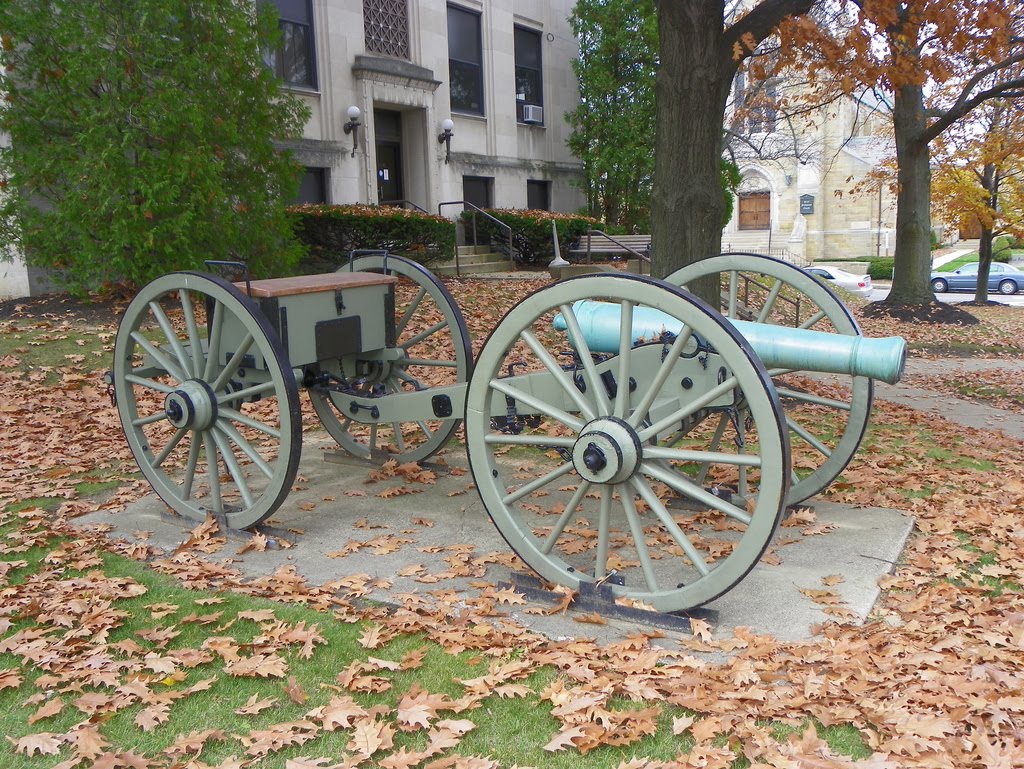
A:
x: 116, y: 655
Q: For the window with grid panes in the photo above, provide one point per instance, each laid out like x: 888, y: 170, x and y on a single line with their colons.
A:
x: 294, y: 60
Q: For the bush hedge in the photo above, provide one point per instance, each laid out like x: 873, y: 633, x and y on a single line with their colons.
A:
x: 1002, y: 248
x: 881, y: 269
x: 330, y: 232
x: 531, y: 231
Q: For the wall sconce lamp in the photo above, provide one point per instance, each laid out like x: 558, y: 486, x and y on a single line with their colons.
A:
x: 445, y: 138
x: 352, y: 127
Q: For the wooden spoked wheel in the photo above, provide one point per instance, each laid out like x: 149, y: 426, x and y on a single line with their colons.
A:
x: 583, y: 457
x: 434, y: 350
x: 827, y: 414
x: 207, y: 400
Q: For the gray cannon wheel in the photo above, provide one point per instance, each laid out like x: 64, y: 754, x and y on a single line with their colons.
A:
x: 436, y: 350
x: 210, y: 432
x: 827, y: 414
x: 531, y: 442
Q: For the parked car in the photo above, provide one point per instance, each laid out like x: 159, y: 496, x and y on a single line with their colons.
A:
x: 1004, y: 278
x: 855, y: 284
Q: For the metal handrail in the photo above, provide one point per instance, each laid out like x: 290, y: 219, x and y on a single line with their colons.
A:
x: 403, y: 204
x: 641, y: 257
x: 505, y: 229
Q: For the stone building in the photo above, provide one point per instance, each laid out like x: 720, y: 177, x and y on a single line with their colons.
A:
x: 797, y: 197
x: 385, y: 78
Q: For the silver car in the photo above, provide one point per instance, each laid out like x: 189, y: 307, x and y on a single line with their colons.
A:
x: 855, y: 284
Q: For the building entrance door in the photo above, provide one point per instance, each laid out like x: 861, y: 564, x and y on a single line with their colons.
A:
x: 388, y: 124
x: 755, y: 211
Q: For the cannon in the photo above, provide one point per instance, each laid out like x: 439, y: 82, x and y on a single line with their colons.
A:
x: 618, y: 429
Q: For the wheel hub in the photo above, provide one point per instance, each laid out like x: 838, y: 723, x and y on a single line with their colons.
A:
x: 193, y: 405
x: 607, y: 451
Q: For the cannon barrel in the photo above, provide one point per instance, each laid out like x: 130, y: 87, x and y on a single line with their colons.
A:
x: 777, y: 346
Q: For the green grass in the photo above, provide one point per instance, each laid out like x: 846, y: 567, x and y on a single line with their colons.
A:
x: 53, y: 349
x: 513, y: 731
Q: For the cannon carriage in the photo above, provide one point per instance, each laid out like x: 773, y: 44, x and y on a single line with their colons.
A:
x: 618, y: 429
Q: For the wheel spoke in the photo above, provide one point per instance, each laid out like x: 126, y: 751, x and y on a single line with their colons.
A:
x: 818, y: 446
x: 640, y: 412
x: 688, y: 488
x: 604, y: 525
x: 536, y: 404
x: 713, y: 457
x: 165, y: 362
x: 193, y: 332
x: 811, y: 398
x: 190, y: 466
x: 172, y: 338
x: 156, y: 416
x: 565, y: 517
x: 813, y: 319
x: 149, y: 384
x: 174, y: 441
x: 248, y: 392
x: 410, y: 311
x: 239, y: 440
x: 426, y: 362
x: 233, y: 365
x: 769, y: 302
x: 587, y: 359
x: 238, y: 416
x: 733, y: 293
x: 538, y: 483
x: 231, y: 462
x: 637, y: 530
x: 216, y: 333
x: 213, y: 471
x: 688, y: 410
x: 545, y: 441
x: 414, y: 340
x: 558, y: 373
x: 643, y: 488
x: 625, y: 356
x: 716, y: 443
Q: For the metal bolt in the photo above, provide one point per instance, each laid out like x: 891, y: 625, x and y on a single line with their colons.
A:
x: 687, y: 383
x: 594, y: 458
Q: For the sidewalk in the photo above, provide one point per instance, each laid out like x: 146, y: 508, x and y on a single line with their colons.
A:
x: 418, y: 535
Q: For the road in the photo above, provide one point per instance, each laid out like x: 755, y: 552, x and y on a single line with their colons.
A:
x: 1016, y: 300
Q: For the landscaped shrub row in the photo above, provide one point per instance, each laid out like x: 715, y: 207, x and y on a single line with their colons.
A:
x: 331, y: 232
x: 881, y: 269
x: 531, y: 231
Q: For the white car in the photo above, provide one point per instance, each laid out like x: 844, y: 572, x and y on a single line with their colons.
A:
x: 859, y: 285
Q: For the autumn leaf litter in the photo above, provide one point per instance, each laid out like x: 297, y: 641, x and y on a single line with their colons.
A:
x: 934, y: 680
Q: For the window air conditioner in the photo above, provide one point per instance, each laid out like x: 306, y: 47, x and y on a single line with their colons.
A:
x: 533, y: 114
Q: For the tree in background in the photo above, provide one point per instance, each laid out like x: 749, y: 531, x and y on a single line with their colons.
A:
x: 142, y: 138
x: 613, y: 126
x: 940, y: 61
x: 979, y: 177
x: 699, y: 56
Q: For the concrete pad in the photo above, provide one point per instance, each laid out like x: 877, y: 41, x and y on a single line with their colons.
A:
x: 333, y: 506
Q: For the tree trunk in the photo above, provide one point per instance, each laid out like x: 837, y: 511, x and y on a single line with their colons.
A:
x: 910, y: 284
x: 984, y: 264
x: 990, y: 181
x: 694, y: 77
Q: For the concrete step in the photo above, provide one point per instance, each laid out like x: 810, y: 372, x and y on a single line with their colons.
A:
x: 474, y: 250
x: 480, y: 258
x: 474, y: 268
